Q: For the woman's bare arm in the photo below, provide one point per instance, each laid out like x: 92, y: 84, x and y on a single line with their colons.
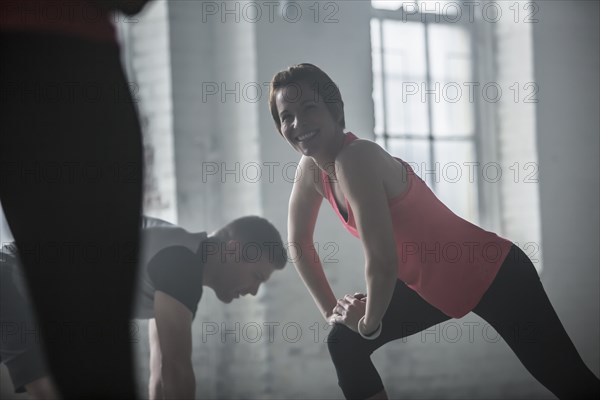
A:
x: 304, y: 205
x: 155, y: 382
x: 361, y: 169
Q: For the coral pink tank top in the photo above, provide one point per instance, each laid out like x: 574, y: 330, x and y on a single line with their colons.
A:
x: 447, y: 260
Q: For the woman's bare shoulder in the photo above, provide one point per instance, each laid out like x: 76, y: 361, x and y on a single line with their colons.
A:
x: 361, y: 151
x: 310, y: 174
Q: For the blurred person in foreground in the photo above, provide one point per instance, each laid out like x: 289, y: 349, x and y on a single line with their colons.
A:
x: 71, y: 183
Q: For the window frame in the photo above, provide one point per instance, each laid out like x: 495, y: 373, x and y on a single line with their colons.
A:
x: 484, y: 139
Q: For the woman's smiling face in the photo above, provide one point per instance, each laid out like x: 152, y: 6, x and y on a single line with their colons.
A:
x: 306, y: 122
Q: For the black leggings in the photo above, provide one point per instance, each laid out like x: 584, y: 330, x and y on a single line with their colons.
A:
x: 516, y: 306
x: 71, y: 188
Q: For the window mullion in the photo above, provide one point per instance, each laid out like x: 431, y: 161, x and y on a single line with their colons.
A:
x: 383, y: 85
x: 429, y: 108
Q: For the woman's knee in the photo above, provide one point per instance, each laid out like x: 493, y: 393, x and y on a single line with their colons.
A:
x: 344, y: 345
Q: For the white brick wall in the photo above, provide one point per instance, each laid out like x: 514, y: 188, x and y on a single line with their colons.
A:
x: 517, y: 131
x: 146, y: 55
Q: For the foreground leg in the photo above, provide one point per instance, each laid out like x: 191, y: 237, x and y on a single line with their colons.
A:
x: 70, y: 185
x: 517, y: 306
x: 407, y: 314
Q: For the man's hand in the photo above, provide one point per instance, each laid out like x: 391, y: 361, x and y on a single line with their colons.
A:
x: 349, y: 310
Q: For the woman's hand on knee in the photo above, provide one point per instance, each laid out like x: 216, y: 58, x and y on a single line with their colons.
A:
x: 349, y: 310
x: 360, y: 296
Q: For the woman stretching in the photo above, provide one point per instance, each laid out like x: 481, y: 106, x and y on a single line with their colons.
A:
x: 424, y: 264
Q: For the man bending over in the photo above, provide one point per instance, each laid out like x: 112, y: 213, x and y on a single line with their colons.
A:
x: 175, y: 266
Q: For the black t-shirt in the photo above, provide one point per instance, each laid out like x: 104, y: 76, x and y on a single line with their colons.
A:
x: 177, y: 271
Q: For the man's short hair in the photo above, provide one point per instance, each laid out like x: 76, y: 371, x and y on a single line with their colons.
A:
x: 256, y: 234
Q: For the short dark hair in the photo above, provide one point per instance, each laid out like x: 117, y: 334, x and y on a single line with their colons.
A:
x: 258, y: 232
x: 327, y: 90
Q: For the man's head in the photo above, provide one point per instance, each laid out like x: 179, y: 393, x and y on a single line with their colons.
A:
x: 241, y: 256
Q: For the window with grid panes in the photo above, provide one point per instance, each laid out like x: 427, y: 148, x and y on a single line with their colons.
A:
x: 423, y: 95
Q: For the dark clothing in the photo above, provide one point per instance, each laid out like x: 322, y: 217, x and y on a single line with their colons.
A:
x: 71, y: 190
x: 516, y: 306
x: 83, y: 19
x: 177, y: 272
x: 170, y: 261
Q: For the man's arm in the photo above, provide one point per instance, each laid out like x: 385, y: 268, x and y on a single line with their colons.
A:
x: 304, y: 206
x: 155, y: 390
x: 174, y: 328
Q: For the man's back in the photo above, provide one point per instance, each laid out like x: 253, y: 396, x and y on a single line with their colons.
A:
x: 158, y: 235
